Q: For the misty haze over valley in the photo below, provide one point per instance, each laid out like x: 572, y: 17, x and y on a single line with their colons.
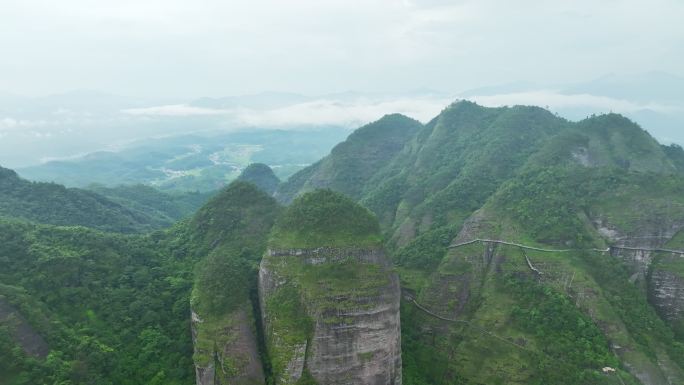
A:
x: 382, y: 192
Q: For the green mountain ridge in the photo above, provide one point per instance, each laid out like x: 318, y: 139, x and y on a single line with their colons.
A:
x: 54, y: 204
x: 352, y: 162
x: 521, y: 174
x: 171, y: 206
x: 279, y: 295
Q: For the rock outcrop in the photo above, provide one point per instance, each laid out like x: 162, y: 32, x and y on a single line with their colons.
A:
x: 226, y: 350
x: 660, y: 273
x: 329, y: 297
x: 667, y: 295
x: 350, y: 299
x: 230, y: 234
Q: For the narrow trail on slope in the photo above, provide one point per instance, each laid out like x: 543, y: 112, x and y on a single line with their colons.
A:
x: 497, y: 241
x: 492, y: 334
x: 537, y: 271
x: 470, y: 324
x: 529, y: 263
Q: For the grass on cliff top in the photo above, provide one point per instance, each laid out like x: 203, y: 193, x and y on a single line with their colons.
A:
x: 324, y: 218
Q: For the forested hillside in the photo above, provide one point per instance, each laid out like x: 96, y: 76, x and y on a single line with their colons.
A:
x: 351, y: 163
x: 85, y: 307
x: 526, y: 249
x: 487, y: 313
x: 54, y: 204
x: 168, y: 207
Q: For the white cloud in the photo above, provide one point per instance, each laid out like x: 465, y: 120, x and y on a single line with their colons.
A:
x: 12, y: 124
x: 174, y: 110
x: 559, y: 101
x: 323, y: 112
x: 8, y: 124
x: 363, y: 110
x: 317, y: 112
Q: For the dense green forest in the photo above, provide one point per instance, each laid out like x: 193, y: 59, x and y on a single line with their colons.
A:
x: 112, y: 308
x: 111, y: 285
x: 54, y: 204
x: 169, y: 207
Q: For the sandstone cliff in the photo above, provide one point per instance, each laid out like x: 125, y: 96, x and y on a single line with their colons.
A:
x: 329, y: 297
x: 343, y: 306
x: 226, y: 350
x: 659, y: 273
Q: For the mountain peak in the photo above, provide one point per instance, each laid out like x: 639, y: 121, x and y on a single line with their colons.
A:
x: 6, y: 173
x: 324, y: 218
x: 262, y: 176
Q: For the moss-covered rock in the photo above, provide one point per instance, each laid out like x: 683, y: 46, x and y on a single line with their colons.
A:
x: 330, y: 301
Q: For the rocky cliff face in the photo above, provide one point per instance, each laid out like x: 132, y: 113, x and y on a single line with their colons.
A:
x: 204, y: 371
x: 331, y: 314
x: 226, y: 350
x: 646, y: 233
x: 230, y: 234
x: 470, y: 286
x: 666, y: 290
x: 660, y: 273
x: 667, y: 295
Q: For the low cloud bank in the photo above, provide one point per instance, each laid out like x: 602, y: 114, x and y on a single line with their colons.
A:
x: 559, y: 101
x: 316, y: 112
x: 365, y: 110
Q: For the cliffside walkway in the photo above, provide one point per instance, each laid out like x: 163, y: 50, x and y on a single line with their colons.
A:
x: 468, y: 323
x: 489, y: 333
x: 497, y: 241
x: 529, y: 263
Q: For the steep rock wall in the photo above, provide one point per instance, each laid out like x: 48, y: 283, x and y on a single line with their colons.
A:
x: 226, y: 350
x: 666, y: 289
x: 668, y: 293
x: 661, y: 274
x: 332, y: 314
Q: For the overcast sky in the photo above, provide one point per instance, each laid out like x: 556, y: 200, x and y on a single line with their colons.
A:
x: 190, y: 48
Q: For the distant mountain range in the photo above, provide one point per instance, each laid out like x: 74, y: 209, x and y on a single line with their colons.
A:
x: 38, y: 129
x: 653, y: 100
